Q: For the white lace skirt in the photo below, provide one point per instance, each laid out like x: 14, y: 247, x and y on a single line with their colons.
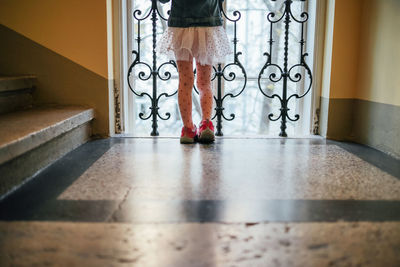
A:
x: 208, y: 45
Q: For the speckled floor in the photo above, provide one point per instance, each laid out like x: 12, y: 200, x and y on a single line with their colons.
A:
x: 238, y: 202
x: 289, y: 244
x: 234, y: 169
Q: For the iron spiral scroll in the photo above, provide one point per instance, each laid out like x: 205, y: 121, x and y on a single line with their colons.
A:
x: 153, y: 71
x: 219, y: 74
x: 285, y: 74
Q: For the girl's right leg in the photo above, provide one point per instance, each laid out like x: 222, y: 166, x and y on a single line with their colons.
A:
x: 186, y: 80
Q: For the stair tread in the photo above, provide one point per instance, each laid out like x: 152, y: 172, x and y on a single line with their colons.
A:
x: 14, y: 83
x: 23, y: 130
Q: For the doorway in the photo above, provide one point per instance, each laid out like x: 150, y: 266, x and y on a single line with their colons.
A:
x: 250, y: 108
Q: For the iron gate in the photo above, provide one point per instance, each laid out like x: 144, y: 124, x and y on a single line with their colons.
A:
x: 275, y: 73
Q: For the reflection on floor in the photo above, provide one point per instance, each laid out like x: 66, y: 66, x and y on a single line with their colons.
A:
x: 238, y: 202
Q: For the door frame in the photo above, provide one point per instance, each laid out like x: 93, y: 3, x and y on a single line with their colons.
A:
x: 122, y: 116
x: 122, y: 47
x: 320, y: 33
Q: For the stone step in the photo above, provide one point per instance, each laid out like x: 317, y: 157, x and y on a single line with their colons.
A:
x: 33, y: 138
x: 16, y: 92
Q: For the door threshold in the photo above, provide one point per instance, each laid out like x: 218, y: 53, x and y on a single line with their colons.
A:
x: 223, y: 137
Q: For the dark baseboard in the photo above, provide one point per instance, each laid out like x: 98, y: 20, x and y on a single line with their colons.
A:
x: 361, y: 121
x: 377, y: 125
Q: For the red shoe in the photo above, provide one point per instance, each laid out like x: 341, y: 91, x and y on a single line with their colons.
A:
x: 206, y: 132
x: 188, y: 136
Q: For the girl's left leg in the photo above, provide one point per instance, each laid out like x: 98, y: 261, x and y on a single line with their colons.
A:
x: 204, y: 85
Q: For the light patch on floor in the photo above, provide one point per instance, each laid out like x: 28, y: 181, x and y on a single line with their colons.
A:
x: 165, y: 170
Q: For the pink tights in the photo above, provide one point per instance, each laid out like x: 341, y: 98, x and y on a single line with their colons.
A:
x: 186, y: 80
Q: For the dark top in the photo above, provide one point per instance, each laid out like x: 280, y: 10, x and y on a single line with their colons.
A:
x: 194, y: 13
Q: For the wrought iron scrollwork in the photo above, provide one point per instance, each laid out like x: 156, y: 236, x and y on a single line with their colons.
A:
x: 224, y: 72
x: 220, y: 73
x: 152, y: 71
x: 285, y: 74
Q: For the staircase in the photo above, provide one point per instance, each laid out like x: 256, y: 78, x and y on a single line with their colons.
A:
x: 32, y: 137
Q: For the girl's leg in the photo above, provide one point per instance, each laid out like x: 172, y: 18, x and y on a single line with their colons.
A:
x: 204, y: 85
x: 186, y: 79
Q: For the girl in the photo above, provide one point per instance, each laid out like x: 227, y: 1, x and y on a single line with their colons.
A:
x: 195, y: 31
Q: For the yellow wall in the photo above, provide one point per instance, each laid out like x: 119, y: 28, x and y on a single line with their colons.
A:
x: 345, y: 49
x: 379, y: 76
x: 79, y: 32
x: 75, y: 29
x: 365, y: 57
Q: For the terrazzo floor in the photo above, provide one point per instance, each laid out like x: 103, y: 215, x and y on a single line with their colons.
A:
x: 237, y: 202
